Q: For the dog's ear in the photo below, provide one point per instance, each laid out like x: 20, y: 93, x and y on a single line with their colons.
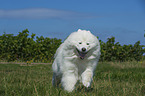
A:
x: 79, y: 30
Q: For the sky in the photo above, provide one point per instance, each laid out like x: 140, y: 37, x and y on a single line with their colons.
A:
x: 123, y: 19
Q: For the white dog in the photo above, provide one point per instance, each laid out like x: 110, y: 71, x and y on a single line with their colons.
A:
x: 76, y: 59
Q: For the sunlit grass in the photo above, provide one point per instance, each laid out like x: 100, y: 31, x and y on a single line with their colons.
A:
x: 111, y: 79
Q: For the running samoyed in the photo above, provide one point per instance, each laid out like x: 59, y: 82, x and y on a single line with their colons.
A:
x: 76, y: 59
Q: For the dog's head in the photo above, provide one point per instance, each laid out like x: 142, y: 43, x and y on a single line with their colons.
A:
x: 82, y: 42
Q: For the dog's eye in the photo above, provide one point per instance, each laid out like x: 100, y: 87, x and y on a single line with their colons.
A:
x: 87, y: 43
x: 80, y: 42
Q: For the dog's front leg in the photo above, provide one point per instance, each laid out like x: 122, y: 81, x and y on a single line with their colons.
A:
x: 69, y: 79
x: 87, y: 77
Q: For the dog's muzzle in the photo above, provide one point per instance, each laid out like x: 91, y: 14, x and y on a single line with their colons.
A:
x: 82, y: 53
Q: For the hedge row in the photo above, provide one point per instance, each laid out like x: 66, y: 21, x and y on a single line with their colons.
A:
x: 24, y: 48
x: 111, y: 51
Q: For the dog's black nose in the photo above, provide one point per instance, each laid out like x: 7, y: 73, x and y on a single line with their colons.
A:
x: 83, y: 49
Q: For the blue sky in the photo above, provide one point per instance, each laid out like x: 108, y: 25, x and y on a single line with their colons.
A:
x: 123, y: 19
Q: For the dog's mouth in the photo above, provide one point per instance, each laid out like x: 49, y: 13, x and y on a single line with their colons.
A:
x: 81, y: 54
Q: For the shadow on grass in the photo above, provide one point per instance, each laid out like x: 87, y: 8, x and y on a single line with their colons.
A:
x: 143, y: 90
x: 2, y: 92
x: 84, y: 89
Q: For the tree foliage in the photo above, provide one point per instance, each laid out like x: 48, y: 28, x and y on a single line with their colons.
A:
x: 24, y: 48
x: 111, y: 51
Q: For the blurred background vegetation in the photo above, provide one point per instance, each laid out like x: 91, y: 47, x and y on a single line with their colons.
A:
x: 23, y: 48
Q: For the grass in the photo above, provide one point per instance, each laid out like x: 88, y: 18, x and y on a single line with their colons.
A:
x: 111, y: 79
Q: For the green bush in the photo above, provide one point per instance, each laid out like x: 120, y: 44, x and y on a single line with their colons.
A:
x: 111, y: 51
x: 24, y: 48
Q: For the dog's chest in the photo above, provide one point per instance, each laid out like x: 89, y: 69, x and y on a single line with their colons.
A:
x: 81, y: 66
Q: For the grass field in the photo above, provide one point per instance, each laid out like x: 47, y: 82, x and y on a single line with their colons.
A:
x: 111, y: 79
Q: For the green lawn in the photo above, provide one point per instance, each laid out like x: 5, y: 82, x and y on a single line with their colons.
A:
x: 111, y: 79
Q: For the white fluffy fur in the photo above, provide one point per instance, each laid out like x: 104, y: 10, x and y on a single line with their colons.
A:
x: 68, y: 67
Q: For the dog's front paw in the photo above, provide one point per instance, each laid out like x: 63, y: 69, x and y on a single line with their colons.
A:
x: 87, y: 78
x: 86, y: 83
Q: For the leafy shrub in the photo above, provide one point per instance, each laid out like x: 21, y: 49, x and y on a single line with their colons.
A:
x: 111, y: 51
x: 24, y: 48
